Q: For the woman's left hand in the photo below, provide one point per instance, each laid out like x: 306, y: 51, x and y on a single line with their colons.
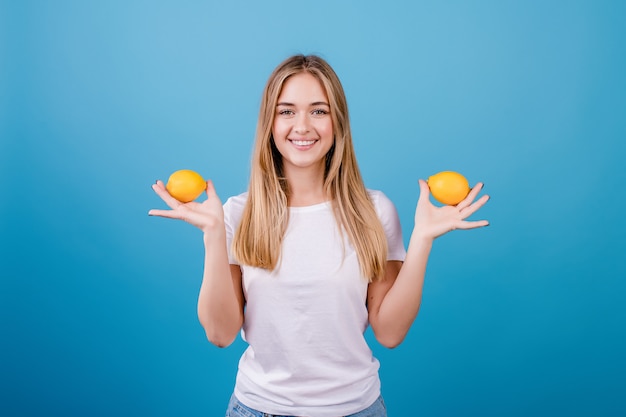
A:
x: 432, y: 221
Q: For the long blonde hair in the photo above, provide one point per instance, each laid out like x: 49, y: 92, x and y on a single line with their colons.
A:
x: 259, y: 236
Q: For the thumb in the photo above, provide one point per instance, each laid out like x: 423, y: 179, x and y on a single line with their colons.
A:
x: 210, y: 189
x: 424, y: 190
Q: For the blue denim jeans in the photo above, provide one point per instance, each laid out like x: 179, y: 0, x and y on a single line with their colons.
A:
x: 237, y: 409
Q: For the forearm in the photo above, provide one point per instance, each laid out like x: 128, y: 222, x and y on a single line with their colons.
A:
x: 401, y: 304
x: 219, y: 305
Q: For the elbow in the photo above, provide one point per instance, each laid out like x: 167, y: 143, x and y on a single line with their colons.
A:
x: 389, y: 339
x: 390, y: 342
x: 388, y: 335
x: 219, y: 340
x: 219, y: 336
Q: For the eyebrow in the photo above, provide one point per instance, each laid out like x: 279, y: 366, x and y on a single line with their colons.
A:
x: 316, y: 103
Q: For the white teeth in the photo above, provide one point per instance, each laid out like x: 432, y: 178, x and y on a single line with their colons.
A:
x: 303, y: 142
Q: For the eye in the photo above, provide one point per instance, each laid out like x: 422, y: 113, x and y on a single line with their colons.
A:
x: 320, y: 112
x: 286, y: 112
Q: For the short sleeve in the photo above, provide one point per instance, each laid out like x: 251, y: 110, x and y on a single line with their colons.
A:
x: 233, y: 210
x: 390, y: 220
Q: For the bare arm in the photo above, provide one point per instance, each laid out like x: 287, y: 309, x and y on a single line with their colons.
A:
x: 394, y: 302
x: 221, y: 300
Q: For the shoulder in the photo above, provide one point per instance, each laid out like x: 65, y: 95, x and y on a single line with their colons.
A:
x: 233, y: 207
x: 237, y: 200
x: 388, y: 215
x: 381, y: 202
x: 376, y: 194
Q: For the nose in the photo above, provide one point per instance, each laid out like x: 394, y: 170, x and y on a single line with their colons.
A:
x: 301, y: 125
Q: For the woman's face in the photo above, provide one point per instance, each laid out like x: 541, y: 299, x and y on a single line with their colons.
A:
x: 303, y: 128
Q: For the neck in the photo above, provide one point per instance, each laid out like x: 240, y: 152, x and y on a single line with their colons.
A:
x: 306, y: 186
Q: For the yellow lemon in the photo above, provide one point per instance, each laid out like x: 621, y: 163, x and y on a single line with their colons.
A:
x: 185, y: 185
x: 448, y: 187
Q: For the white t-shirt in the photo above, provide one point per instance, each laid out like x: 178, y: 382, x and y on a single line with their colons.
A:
x: 304, y: 321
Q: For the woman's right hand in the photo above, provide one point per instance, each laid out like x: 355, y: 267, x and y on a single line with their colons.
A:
x: 206, y: 216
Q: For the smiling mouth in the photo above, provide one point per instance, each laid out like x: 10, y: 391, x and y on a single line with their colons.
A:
x: 303, y: 142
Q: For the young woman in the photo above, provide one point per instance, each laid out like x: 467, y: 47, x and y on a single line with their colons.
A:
x: 304, y: 261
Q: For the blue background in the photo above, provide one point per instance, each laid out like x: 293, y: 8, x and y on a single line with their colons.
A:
x: 99, y: 99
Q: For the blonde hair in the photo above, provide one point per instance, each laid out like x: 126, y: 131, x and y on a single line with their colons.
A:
x: 259, y: 236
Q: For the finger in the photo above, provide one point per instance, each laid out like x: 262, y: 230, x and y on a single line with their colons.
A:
x: 210, y: 189
x: 170, y: 214
x: 424, y: 191
x: 465, y: 225
x: 159, y: 188
x: 470, y: 196
x: 472, y: 208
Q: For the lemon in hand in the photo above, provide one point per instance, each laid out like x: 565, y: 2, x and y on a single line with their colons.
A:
x: 448, y: 187
x: 185, y: 185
